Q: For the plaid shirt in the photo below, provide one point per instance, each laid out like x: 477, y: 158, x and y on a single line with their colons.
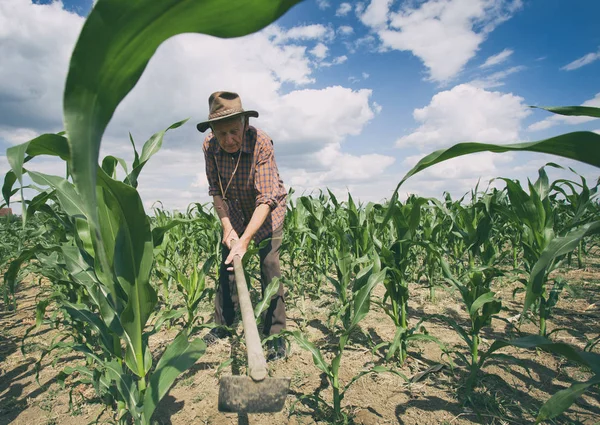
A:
x: 255, y: 182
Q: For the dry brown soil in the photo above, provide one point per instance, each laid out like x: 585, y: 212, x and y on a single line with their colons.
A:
x: 511, y: 389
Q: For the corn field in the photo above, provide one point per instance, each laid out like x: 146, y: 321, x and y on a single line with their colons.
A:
x: 123, y: 295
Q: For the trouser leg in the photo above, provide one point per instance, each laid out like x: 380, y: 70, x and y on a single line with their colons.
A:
x: 274, y: 317
x: 226, y: 299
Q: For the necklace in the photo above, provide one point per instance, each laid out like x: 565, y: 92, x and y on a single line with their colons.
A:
x: 224, y: 192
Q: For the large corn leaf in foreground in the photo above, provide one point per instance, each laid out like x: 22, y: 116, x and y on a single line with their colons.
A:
x: 114, y: 47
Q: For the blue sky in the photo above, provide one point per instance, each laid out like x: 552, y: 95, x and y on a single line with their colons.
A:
x: 353, y: 93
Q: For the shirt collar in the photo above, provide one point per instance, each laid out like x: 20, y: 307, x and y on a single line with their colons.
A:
x: 246, y: 143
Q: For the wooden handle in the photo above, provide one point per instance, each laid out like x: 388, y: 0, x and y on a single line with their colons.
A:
x: 257, y: 365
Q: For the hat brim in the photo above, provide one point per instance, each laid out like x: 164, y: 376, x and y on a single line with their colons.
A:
x: 203, y: 126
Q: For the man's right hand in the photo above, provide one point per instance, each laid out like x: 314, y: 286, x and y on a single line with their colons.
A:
x: 228, y: 236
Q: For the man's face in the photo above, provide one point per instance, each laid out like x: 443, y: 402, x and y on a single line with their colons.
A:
x: 229, y: 134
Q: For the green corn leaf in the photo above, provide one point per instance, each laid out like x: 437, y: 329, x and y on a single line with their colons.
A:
x: 136, y: 156
x: 38, y: 201
x: 10, y: 276
x: 375, y: 369
x: 265, y: 302
x: 304, y: 343
x: 158, y: 233
x: 556, y: 247
x: 396, y: 342
x: 563, y: 399
x: 125, y: 385
x: 533, y: 341
x: 82, y: 313
x: 69, y: 199
x: 7, y: 187
x: 83, y: 274
x: 581, y: 146
x: 114, y: 47
x: 488, y: 297
x: 152, y: 146
x: 132, y: 261
x: 179, y: 356
x: 587, y: 111
x: 49, y: 144
x: 16, y: 156
x: 109, y: 165
x: 362, y: 299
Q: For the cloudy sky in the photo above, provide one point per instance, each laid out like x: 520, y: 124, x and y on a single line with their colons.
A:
x: 352, y: 93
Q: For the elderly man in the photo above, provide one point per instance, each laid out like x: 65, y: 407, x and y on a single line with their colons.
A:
x: 250, y: 201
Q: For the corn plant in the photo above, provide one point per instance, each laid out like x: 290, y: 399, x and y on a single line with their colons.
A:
x: 576, y: 208
x: 581, y: 146
x: 481, y: 305
x: 358, y: 305
x: 110, y: 307
x: 397, y: 249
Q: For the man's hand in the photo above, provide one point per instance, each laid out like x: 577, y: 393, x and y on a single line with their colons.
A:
x: 239, y: 248
x: 228, y: 236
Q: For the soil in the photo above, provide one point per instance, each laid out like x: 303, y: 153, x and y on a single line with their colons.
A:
x: 510, y: 390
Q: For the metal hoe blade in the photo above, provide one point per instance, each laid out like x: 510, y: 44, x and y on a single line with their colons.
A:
x: 240, y: 394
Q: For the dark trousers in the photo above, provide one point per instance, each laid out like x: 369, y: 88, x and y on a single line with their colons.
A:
x: 226, y: 299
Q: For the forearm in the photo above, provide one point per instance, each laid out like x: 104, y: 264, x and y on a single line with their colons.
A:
x: 258, y: 218
x: 221, y: 209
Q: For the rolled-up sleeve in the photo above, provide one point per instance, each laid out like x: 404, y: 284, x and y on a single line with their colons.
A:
x: 211, y: 169
x: 266, y: 177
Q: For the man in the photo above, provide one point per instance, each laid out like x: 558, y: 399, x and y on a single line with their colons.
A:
x: 250, y: 201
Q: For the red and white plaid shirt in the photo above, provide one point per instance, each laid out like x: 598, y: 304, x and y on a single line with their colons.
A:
x: 255, y: 182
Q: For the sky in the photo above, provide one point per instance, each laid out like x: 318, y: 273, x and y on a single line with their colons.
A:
x: 353, y: 94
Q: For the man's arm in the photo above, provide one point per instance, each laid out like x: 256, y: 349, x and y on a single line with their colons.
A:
x: 229, y: 233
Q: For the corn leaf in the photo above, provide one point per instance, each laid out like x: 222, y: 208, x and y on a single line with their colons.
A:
x: 583, y: 146
x: 179, y: 356
x: 318, y: 359
x: 265, y: 302
x: 151, y: 146
x: 563, y: 399
x: 587, y: 111
x: 556, y: 247
x: 132, y: 261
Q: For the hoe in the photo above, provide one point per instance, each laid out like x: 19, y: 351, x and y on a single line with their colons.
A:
x: 255, y: 393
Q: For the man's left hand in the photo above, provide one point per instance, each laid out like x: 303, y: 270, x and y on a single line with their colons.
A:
x: 238, y: 248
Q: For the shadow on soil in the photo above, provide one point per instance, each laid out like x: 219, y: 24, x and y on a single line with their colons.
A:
x: 12, y: 398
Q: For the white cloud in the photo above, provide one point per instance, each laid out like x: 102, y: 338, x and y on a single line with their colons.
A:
x: 467, y: 113
x: 35, y: 45
x: 16, y: 136
x: 496, y: 79
x: 444, y: 34
x: 346, y: 30
x: 302, y: 32
x: 582, y: 61
x: 564, y: 119
x: 342, y: 169
x: 343, y: 9
x: 340, y: 59
x: 376, y: 14
x: 323, y: 4
x: 497, y: 59
x: 320, y: 51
